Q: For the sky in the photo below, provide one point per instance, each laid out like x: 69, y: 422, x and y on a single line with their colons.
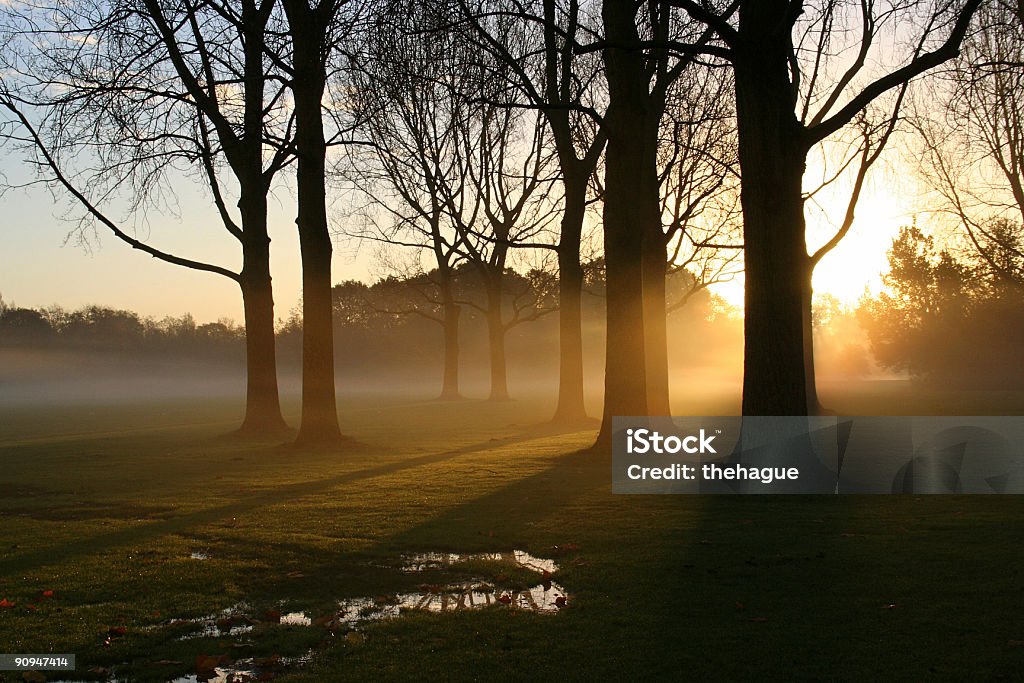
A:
x: 42, y: 263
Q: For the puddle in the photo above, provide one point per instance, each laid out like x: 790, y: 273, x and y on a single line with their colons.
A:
x: 248, y: 669
x: 231, y: 621
x: 547, y: 597
x: 296, y: 619
x: 419, y: 562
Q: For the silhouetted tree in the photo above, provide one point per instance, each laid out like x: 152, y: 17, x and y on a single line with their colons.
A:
x: 791, y: 93
x: 409, y: 92
x: 507, y: 165
x: 700, y: 238
x: 546, y: 72
x: 139, y: 89
x: 315, y: 31
x: 971, y: 133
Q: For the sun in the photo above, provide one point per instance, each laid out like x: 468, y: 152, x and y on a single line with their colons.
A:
x: 857, y: 263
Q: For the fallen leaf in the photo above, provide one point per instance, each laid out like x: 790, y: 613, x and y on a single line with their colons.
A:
x: 505, y: 599
x: 168, y: 662
x: 272, y: 615
x: 116, y: 631
x: 325, y: 620
x: 7, y: 603
x: 355, y: 638
x: 561, y: 602
x: 295, y: 575
x: 48, y: 594
x: 889, y: 606
x: 207, y: 663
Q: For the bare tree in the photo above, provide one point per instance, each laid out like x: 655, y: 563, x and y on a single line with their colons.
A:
x: 507, y: 164
x: 971, y: 150
x: 412, y: 172
x: 114, y: 98
x: 803, y: 72
x: 546, y: 72
x: 312, y: 58
x: 698, y: 176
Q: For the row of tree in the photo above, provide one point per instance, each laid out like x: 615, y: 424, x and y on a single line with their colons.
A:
x: 97, y: 328
x: 390, y: 326
x: 475, y: 128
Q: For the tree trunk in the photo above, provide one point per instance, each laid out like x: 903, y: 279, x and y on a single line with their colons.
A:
x: 772, y: 155
x: 496, y: 338
x: 262, y: 402
x: 814, y: 406
x: 631, y: 210
x: 570, y: 294
x: 452, y: 312
x: 319, y: 405
x: 655, y: 330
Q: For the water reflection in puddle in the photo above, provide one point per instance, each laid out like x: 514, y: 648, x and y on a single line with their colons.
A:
x: 231, y: 621
x: 248, y: 669
x: 419, y: 562
x: 546, y: 597
x: 296, y: 619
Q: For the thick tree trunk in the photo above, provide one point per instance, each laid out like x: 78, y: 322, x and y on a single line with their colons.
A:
x: 570, y: 294
x: 772, y: 155
x: 319, y: 405
x: 262, y: 402
x: 496, y: 340
x: 655, y: 330
x: 452, y: 312
x: 631, y: 210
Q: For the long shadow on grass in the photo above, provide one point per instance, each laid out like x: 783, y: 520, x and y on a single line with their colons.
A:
x: 270, y: 496
x: 535, y: 512
x: 730, y: 587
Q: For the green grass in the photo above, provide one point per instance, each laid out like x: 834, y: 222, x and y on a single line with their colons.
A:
x: 105, y: 504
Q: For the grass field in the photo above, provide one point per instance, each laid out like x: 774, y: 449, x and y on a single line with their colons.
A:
x: 143, y: 519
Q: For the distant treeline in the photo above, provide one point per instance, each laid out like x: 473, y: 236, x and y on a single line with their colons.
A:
x: 390, y: 326
x: 947, y: 319
x: 99, y: 328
